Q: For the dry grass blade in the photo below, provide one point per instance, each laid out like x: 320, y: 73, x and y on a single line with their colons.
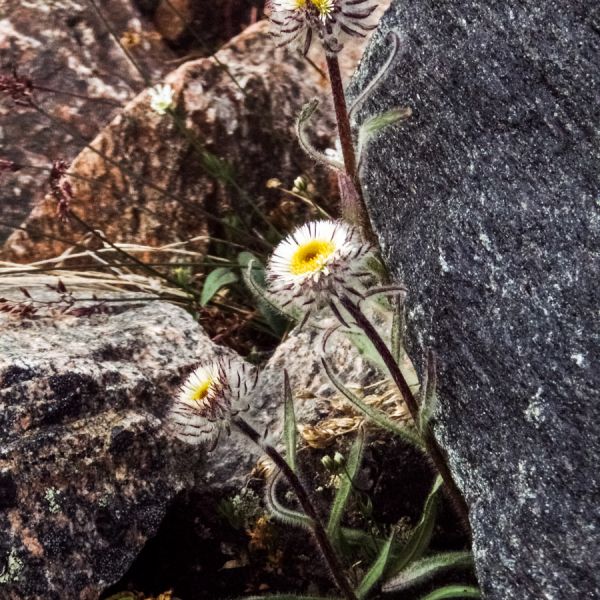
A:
x: 106, y: 271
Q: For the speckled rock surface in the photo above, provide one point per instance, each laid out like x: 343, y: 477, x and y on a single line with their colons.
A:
x: 63, y: 45
x: 87, y: 468
x: 486, y: 204
x: 300, y: 355
x: 145, y: 182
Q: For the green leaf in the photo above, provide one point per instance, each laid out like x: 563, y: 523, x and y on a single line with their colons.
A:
x: 453, y: 591
x: 377, y: 416
x: 343, y: 493
x: 284, y: 514
x: 377, y: 569
x: 429, y: 401
x: 217, y: 167
x: 216, y: 280
x: 253, y: 273
x: 366, y: 542
x: 289, y: 422
x: 288, y: 597
x: 377, y: 123
x: 365, y: 347
x: 421, y: 535
x: 426, y: 568
x: 246, y: 259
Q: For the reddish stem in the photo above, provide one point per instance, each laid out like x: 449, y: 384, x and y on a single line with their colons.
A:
x: 353, y: 204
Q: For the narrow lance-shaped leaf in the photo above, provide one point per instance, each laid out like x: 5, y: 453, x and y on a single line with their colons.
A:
x: 429, y: 397
x: 377, y: 123
x: 426, y: 568
x: 366, y: 348
x: 376, y: 571
x: 377, y: 416
x: 453, y: 591
x: 284, y: 514
x: 343, y: 493
x: 289, y: 597
x: 421, y: 535
x: 289, y: 422
x: 216, y: 280
x: 252, y: 270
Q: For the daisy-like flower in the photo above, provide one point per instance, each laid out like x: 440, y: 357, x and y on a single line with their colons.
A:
x: 317, y: 261
x: 161, y: 98
x: 212, y: 394
x: 295, y: 22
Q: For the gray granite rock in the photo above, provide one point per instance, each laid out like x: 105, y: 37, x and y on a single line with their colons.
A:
x: 87, y: 468
x: 486, y: 204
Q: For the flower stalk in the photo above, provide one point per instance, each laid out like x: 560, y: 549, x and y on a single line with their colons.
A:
x: 318, y: 529
x: 431, y: 444
x: 353, y: 204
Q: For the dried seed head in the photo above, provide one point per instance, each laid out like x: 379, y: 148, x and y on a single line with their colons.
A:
x: 17, y: 87
x: 209, y: 398
x: 8, y: 166
x: 60, y: 188
x: 296, y: 22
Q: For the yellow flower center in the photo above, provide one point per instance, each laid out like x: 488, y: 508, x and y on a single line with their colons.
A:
x: 324, y: 7
x: 299, y: 4
x: 201, y: 390
x: 311, y: 256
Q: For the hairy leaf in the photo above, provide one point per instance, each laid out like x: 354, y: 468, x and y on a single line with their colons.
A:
x: 421, y: 535
x: 343, y: 493
x: 398, y: 326
x: 426, y: 568
x: 377, y: 123
x: 453, y: 591
x: 366, y: 348
x: 377, y: 416
x: 376, y: 571
x: 284, y: 514
x: 289, y: 422
x: 304, y: 117
x: 253, y: 273
x: 216, y: 280
x: 289, y: 597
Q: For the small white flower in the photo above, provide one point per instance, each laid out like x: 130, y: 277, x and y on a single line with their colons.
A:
x: 212, y: 394
x: 317, y: 261
x: 294, y: 22
x: 161, y: 98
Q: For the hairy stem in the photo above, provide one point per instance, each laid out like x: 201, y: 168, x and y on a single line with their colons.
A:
x: 306, y: 503
x: 431, y: 444
x: 359, y: 212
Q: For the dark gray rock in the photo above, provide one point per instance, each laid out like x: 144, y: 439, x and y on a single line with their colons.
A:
x: 87, y: 468
x: 486, y: 204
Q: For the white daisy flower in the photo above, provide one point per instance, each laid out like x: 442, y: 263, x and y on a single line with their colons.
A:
x: 317, y: 261
x: 294, y: 22
x: 161, y: 98
x: 209, y: 398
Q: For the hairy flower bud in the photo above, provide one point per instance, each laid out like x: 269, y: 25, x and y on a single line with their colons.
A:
x: 212, y: 394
